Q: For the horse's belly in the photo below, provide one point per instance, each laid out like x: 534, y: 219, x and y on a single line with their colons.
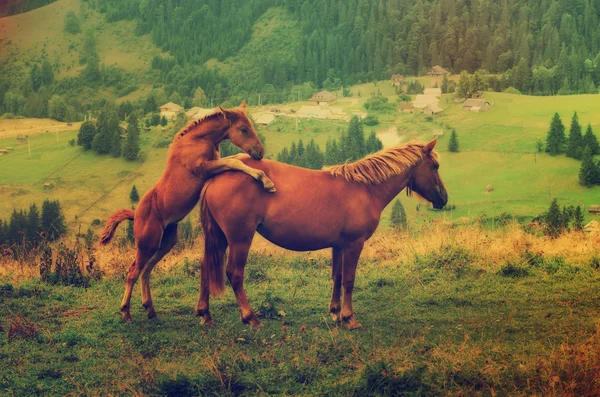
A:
x: 298, y: 239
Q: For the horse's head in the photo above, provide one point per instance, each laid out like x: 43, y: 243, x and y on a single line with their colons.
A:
x: 426, y: 181
x: 242, y: 134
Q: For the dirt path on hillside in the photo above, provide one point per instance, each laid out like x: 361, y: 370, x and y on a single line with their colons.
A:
x: 389, y: 137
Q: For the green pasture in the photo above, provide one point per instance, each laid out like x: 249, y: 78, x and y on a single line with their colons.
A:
x: 441, y: 324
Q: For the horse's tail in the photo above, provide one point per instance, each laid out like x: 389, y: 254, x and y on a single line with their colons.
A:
x: 111, y: 224
x: 215, y: 245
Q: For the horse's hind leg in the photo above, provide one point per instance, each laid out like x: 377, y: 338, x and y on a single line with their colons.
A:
x: 148, y: 242
x: 238, y: 254
x: 351, y: 253
x: 169, y: 239
x: 336, y: 276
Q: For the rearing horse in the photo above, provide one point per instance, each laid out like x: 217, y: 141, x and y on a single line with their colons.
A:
x: 193, y: 158
x: 339, y: 208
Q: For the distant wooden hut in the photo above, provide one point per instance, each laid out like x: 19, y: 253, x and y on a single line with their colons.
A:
x: 265, y: 119
x: 437, y: 71
x: 48, y: 185
x: 476, y: 105
x: 22, y: 139
x: 406, y: 107
x: 3, y: 152
x: 170, y: 110
x: 323, y: 98
x: 397, y: 80
x: 432, y: 109
x: 594, y: 209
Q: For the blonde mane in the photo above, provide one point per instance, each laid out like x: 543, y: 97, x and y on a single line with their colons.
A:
x: 230, y: 114
x: 379, y: 167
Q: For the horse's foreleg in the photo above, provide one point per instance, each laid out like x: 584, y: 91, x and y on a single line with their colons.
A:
x: 238, y: 254
x: 350, y: 257
x: 148, y: 234
x: 215, y: 167
x: 336, y: 277
x: 168, y: 241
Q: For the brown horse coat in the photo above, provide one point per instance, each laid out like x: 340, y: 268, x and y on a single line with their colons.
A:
x: 338, y: 208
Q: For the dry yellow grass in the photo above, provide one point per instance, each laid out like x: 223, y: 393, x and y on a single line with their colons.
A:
x: 11, y: 128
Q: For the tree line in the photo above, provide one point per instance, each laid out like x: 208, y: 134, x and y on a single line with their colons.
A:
x: 576, y: 145
x: 30, y: 227
x: 351, y: 146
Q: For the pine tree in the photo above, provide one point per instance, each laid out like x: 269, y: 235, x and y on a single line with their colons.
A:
x: 134, y: 196
x: 130, y: 235
x: 574, y: 143
x: 590, y: 139
x: 150, y: 104
x: 453, y: 142
x: 163, y: 121
x: 101, y: 144
x: 578, y: 219
x: 131, y: 148
x: 556, y: 136
x: 86, y: 134
x: 445, y: 83
x: 588, y: 172
x: 398, y: 217
x: 354, y: 145
x: 373, y: 144
x: 52, y: 220
x: 47, y: 73
x: 553, y: 220
x: 71, y: 24
x: 33, y: 224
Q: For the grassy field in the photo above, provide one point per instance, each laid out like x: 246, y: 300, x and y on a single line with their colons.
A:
x: 441, y: 316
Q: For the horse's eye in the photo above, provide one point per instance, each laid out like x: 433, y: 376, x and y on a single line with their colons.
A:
x: 245, y: 130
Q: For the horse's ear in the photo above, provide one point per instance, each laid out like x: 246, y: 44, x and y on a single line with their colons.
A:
x: 243, y: 105
x: 429, y: 146
x: 223, y: 112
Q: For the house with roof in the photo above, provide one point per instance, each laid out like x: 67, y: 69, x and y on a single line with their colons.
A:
x: 323, y: 98
x: 432, y: 109
x: 437, y: 71
x: 436, y: 92
x: 421, y: 101
x: 197, y: 112
x: 397, y: 80
x: 264, y: 120
x: 476, y: 105
x: 406, y: 107
x: 170, y: 110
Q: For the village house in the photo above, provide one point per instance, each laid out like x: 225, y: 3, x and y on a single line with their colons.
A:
x: 323, y: 98
x: 421, y: 101
x: 197, y: 112
x: 432, y: 109
x: 397, y: 80
x: 264, y: 120
x: 406, y: 107
x: 170, y: 110
x: 594, y: 209
x: 436, y: 92
x: 476, y: 105
x: 437, y: 71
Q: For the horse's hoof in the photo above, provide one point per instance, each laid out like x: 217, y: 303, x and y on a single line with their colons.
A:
x: 335, y: 317
x: 352, y: 323
x: 126, y: 317
x: 151, y: 314
x: 209, y: 322
x: 271, y: 190
x: 255, y: 324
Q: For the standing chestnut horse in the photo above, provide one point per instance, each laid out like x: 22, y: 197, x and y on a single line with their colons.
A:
x: 339, y: 208
x: 193, y: 158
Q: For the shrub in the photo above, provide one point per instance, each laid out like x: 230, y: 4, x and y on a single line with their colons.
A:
x: 511, y: 269
x: 512, y: 90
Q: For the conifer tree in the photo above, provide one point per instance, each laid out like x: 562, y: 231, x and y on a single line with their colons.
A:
x: 132, y: 144
x: 33, y: 224
x: 553, y: 220
x: 53, y: 221
x: 101, y: 144
x: 590, y: 139
x: 134, y: 196
x: 588, y: 172
x: 398, y: 217
x: 354, y: 145
x: 574, y: 142
x: 86, y: 134
x: 453, y: 142
x: 556, y: 136
x: 578, y: 219
x: 373, y: 144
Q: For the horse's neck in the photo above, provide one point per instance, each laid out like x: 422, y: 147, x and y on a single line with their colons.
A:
x: 386, y: 191
x: 187, y: 150
x: 215, y: 131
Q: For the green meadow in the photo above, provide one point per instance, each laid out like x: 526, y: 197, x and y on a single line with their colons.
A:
x: 440, y: 317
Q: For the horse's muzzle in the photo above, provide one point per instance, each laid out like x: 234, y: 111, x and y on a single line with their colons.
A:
x: 441, y: 200
x: 257, y: 153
